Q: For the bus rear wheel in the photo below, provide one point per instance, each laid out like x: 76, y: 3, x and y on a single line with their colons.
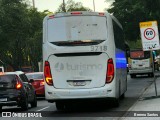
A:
x: 122, y: 96
x: 132, y: 75
x: 116, y: 102
x: 151, y: 74
x: 60, y: 105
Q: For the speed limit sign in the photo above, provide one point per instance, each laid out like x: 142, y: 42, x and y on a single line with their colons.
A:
x: 149, y: 35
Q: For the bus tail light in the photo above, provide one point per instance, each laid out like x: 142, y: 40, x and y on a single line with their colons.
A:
x: 47, y: 73
x: 51, y: 17
x: 110, y: 71
x: 101, y: 14
x: 76, y: 13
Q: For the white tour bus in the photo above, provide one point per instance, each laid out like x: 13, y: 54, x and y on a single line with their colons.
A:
x: 83, y: 57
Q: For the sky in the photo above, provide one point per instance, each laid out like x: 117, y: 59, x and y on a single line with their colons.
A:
x: 52, y: 5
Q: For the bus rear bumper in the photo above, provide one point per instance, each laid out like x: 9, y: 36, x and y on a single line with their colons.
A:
x: 140, y: 71
x: 62, y: 94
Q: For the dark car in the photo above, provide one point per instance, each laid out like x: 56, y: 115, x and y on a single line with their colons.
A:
x: 38, y: 83
x: 15, y: 89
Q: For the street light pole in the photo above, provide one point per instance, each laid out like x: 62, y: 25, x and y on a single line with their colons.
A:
x: 94, y: 5
x: 33, y: 3
x: 64, y: 9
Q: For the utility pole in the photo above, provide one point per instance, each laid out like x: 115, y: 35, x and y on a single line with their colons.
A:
x: 64, y: 9
x: 33, y: 3
x: 93, y: 5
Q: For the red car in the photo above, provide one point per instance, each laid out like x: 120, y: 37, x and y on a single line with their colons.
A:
x: 38, y: 83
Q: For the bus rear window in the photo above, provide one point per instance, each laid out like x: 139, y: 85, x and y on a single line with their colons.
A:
x: 76, y: 28
x: 139, y: 54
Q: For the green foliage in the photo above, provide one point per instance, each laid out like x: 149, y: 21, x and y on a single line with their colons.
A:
x: 20, y: 34
x: 135, y: 44
x: 34, y: 41
x: 72, y: 6
x: 131, y: 12
x: 13, y: 31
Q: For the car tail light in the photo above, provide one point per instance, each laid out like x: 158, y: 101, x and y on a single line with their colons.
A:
x: 110, y: 71
x: 41, y: 83
x: 18, y: 84
x: 47, y: 73
x: 129, y: 65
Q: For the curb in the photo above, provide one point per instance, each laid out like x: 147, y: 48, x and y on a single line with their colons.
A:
x: 140, y: 96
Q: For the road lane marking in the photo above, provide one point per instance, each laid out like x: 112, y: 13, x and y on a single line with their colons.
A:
x: 43, y: 108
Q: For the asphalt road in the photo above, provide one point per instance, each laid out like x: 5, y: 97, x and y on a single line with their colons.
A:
x: 90, y: 110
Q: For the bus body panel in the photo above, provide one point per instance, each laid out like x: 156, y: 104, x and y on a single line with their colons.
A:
x: 140, y: 64
x: 76, y: 75
x: 75, y: 72
x: 121, y: 71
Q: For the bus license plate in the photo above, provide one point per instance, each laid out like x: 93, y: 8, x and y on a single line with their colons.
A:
x: 79, y: 83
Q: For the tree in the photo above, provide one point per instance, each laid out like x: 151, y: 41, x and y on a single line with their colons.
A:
x: 13, y: 28
x: 33, y: 51
x: 72, y: 6
x: 131, y: 12
x: 20, y: 34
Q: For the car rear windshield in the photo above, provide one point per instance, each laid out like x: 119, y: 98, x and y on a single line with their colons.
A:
x: 7, y: 79
x: 1, y: 70
x: 34, y: 76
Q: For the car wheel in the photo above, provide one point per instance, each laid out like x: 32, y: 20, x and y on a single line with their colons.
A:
x: 60, y: 105
x: 24, y: 104
x: 34, y: 103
